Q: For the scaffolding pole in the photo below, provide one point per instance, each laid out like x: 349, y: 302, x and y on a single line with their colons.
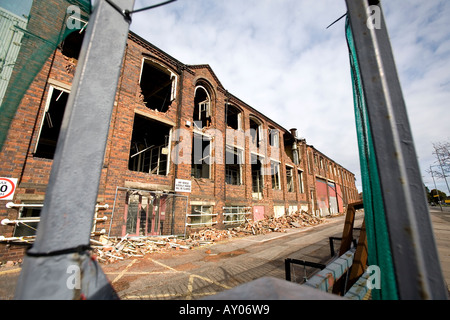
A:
x: 414, y: 254
x: 59, y: 266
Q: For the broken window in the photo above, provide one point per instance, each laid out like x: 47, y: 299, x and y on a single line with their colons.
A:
x: 290, y: 179
x: 235, y: 214
x: 27, y: 215
x: 255, y: 132
x: 158, y: 86
x: 202, y: 108
x: 257, y: 177
x: 300, y: 182
x: 201, y: 216
x: 310, y: 163
x: 201, y: 156
x: 234, y: 117
x: 149, y: 151
x: 51, y: 123
x: 291, y: 148
x: 275, y: 173
x: 233, y: 165
x: 274, y: 138
x: 71, y: 46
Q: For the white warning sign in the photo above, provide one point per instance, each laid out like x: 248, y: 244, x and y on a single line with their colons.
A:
x: 182, y: 185
x: 7, y: 188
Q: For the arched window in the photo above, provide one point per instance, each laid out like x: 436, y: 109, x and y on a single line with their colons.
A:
x: 202, y: 107
x: 255, y: 132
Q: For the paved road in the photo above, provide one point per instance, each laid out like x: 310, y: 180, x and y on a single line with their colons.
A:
x: 209, y: 270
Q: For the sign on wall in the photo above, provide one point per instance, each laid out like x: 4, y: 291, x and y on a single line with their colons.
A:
x: 182, y: 185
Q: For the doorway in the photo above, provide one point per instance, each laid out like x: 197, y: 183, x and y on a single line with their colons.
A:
x: 145, y: 213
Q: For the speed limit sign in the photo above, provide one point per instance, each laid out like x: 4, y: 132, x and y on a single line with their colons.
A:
x: 7, y: 188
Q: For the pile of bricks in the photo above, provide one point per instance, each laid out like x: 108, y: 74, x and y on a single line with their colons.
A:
x: 108, y: 250
x: 295, y: 220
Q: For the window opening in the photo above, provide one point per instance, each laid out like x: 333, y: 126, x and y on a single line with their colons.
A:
x: 300, y: 182
x: 51, y: 123
x: 202, y: 108
x: 257, y: 177
x: 28, y: 227
x: 234, y: 117
x: 157, y: 86
x: 290, y: 179
x: 275, y: 173
x: 255, y: 133
x: 274, y: 138
x: 233, y: 165
x: 149, y: 149
x: 201, y: 156
x: 71, y: 46
x: 235, y: 214
x: 202, y: 216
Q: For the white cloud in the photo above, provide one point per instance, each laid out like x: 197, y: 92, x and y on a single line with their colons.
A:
x: 278, y: 57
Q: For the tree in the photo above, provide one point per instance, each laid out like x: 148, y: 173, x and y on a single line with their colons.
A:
x: 442, y: 167
x: 437, y: 195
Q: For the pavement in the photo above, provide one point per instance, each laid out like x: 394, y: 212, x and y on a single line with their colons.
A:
x: 441, y: 226
x: 208, y: 270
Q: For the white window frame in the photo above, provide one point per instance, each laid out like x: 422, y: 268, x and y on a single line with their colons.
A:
x: 290, y: 169
x: 51, y: 88
x: 300, y: 181
x: 173, y: 76
x: 278, y: 164
x: 274, y: 137
x: 202, y: 213
x: 239, y: 152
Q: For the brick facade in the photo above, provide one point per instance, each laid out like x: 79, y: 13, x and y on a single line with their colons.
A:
x: 20, y: 160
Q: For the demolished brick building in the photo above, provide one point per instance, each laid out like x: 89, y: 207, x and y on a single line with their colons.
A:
x: 172, y: 123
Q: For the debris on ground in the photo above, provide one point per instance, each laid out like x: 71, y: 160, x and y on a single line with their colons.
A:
x: 295, y: 220
x: 108, y: 250
x: 111, y: 249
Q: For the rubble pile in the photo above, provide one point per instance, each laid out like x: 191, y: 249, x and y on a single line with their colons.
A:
x: 295, y: 220
x: 111, y: 249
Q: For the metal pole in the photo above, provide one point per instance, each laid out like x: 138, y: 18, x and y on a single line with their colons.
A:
x: 442, y: 169
x: 435, y: 188
x: 58, y: 266
x: 417, y: 266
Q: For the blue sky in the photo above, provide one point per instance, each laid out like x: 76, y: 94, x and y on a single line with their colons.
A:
x: 278, y: 57
x: 19, y: 7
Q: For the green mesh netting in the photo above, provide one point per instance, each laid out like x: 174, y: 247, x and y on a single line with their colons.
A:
x: 27, y: 43
x: 379, y: 252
